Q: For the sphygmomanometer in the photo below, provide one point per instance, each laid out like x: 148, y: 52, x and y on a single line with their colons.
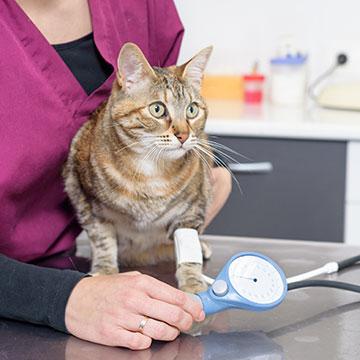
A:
x: 252, y: 281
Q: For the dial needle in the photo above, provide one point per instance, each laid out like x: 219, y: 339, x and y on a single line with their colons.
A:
x: 243, y: 277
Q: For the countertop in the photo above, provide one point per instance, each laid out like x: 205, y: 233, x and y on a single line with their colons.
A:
x: 233, y: 118
x: 313, y: 323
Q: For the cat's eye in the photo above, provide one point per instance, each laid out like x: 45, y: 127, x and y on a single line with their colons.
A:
x: 192, y: 111
x: 157, y: 109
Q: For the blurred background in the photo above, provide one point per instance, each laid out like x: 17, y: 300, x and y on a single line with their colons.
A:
x: 283, y: 89
x: 244, y: 31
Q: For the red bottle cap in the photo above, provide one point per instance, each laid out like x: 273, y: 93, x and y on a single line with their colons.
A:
x: 254, y: 77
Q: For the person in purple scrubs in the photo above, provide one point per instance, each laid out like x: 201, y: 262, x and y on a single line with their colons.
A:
x: 57, y: 65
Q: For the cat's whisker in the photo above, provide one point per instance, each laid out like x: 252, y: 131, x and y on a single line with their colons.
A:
x: 224, y: 147
x: 220, y: 162
x: 140, y: 163
x: 149, y: 137
x: 157, y: 157
x: 153, y: 154
x: 118, y: 151
x: 159, y: 160
x: 220, y: 150
x: 149, y: 153
x: 209, y: 155
x: 217, y: 145
x: 202, y: 158
x: 226, y: 156
x: 109, y: 126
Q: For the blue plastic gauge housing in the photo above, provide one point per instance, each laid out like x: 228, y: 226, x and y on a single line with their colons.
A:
x: 249, y: 281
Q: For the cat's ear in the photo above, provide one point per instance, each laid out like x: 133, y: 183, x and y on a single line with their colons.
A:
x: 193, y: 70
x: 133, y: 69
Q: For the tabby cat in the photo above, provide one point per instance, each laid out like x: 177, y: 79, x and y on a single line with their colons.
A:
x: 139, y: 168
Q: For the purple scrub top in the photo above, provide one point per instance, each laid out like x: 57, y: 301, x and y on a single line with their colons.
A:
x: 42, y: 105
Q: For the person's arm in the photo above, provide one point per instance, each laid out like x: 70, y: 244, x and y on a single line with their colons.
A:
x: 35, y: 294
x: 221, y: 182
x: 102, y: 309
x: 168, y: 33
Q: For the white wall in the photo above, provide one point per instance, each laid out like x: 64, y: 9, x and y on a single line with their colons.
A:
x: 243, y: 31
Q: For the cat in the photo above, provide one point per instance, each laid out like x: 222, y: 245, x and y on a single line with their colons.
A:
x: 139, y: 168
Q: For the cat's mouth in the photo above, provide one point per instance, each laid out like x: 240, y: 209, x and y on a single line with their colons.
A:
x: 180, y: 146
x: 181, y: 149
x: 175, y: 153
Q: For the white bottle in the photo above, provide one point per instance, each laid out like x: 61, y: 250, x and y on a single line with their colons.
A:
x: 288, y: 78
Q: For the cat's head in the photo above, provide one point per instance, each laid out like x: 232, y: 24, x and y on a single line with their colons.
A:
x: 159, y: 110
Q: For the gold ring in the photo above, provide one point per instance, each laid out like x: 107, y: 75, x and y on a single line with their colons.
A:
x: 143, y: 323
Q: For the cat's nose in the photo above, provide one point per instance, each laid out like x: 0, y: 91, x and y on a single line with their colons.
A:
x: 182, y: 136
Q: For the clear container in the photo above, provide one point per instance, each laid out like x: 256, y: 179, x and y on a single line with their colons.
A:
x: 288, y: 80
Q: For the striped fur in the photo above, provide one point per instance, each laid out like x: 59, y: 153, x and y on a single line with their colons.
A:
x: 130, y: 180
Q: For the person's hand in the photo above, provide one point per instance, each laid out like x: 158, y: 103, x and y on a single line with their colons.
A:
x: 108, y: 310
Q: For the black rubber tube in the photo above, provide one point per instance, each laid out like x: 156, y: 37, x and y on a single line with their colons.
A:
x: 324, y: 283
x: 348, y: 262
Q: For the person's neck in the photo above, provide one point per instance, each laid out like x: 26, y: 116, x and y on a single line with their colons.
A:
x: 60, y: 21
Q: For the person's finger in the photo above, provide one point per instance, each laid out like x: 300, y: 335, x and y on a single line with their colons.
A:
x: 165, y: 312
x: 155, y: 329
x: 131, y: 340
x: 131, y: 273
x: 161, y: 291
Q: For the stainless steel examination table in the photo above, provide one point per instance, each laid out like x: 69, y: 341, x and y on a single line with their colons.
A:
x: 312, y: 323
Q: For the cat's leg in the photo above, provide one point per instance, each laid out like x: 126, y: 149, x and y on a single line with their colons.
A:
x: 190, y: 279
x: 152, y: 256
x: 104, y: 248
x: 102, y: 234
x: 189, y: 274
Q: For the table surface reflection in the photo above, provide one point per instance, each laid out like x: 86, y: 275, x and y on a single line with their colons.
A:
x: 313, y: 323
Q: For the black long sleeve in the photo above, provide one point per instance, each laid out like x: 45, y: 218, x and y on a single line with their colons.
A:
x: 35, y: 294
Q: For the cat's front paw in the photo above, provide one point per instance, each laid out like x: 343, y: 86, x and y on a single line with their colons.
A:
x: 194, y: 286
x: 104, y: 271
x: 190, y: 279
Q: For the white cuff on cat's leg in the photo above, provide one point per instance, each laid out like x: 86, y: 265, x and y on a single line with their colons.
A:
x: 187, y: 246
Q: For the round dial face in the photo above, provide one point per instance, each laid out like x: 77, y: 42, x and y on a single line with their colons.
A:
x: 256, y: 279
